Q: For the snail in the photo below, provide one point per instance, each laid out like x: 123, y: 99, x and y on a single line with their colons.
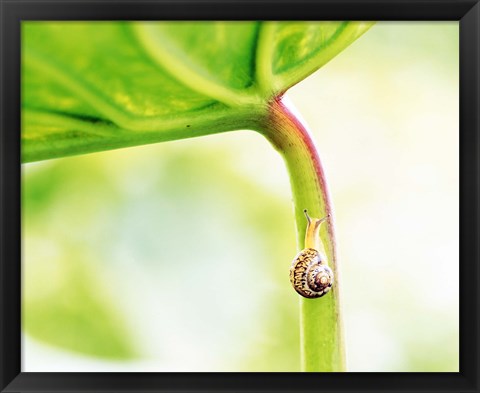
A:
x: 309, y: 274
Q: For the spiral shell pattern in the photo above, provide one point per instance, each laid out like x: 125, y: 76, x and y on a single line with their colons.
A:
x: 310, y: 275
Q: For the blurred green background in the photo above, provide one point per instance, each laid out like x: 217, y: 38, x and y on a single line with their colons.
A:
x: 175, y: 256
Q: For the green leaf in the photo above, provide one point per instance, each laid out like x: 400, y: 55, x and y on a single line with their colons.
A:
x: 62, y: 293
x: 93, y: 86
x: 68, y: 300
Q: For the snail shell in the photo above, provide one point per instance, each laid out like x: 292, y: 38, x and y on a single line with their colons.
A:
x: 310, y: 275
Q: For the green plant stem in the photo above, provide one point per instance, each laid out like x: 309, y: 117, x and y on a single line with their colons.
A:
x: 321, y: 333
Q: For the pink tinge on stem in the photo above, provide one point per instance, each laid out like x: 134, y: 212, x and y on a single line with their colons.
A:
x: 282, y: 110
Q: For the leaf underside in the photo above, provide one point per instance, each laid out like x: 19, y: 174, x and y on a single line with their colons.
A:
x: 94, y: 86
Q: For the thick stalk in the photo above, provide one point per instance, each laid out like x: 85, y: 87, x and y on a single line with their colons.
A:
x: 321, y: 333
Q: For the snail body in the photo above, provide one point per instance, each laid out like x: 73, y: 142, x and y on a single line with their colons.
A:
x: 309, y: 274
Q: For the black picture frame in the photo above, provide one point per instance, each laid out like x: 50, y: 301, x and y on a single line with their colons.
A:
x: 14, y: 11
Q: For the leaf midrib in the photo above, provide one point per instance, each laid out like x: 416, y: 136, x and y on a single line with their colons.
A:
x: 159, y: 48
